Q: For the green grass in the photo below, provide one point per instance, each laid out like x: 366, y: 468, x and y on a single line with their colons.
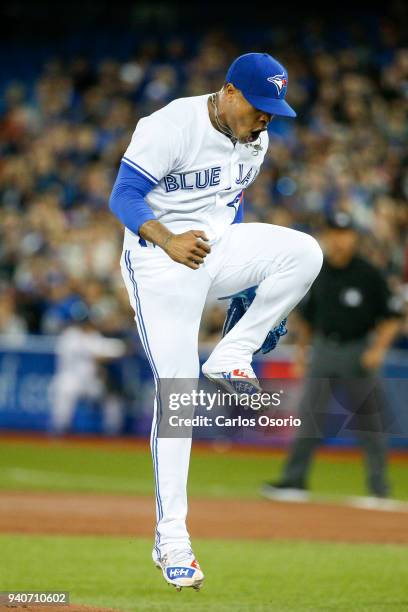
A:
x: 240, y: 576
x: 55, y: 467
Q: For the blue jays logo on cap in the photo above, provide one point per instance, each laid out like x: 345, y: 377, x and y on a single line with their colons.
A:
x: 279, y: 81
x: 253, y: 74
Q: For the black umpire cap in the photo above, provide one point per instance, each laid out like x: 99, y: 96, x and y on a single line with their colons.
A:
x: 340, y: 220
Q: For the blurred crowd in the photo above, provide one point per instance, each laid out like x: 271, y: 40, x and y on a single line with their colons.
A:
x: 62, y: 137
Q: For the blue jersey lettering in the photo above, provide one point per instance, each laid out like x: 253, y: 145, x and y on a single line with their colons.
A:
x: 210, y: 177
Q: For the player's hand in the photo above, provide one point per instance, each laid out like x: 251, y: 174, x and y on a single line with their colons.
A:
x: 189, y: 248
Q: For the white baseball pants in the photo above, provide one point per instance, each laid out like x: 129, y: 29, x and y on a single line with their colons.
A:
x: 168, y: 299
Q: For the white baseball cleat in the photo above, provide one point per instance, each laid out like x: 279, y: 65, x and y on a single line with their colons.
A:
x: 241, y: 381
x: 181, y: 569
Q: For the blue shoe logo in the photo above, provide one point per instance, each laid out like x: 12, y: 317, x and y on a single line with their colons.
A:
x: 180, y: 572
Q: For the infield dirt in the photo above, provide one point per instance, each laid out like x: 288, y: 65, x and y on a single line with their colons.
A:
x: 126, y: 515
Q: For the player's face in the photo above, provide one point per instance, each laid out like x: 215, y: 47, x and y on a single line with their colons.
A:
x: 246, y: 121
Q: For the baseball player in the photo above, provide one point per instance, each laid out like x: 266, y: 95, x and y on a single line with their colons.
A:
x: 79, y: 349
x: 179, y: 193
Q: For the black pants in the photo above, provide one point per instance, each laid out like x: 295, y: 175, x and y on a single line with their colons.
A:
x: 336, y: 377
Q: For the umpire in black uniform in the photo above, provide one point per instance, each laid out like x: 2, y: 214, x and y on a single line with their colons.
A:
x: 349, y: 318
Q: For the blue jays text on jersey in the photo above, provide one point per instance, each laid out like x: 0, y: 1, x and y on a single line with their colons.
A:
x: 209, y: 177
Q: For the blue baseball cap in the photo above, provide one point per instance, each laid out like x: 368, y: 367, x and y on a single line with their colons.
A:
x: 263, y: 82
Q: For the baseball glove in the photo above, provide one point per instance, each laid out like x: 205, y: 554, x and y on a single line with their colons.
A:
x: 240, y: 302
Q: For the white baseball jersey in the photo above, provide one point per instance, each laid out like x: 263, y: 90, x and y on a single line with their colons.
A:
x: 78, y: 351
x: 199, y: 174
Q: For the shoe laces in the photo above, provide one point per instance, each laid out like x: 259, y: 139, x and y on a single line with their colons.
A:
x: 177, y: 556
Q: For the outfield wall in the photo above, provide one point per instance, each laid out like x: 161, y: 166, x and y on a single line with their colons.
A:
x: 27, y: 367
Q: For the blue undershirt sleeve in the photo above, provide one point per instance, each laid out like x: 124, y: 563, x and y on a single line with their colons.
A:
x: 127, y: 200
